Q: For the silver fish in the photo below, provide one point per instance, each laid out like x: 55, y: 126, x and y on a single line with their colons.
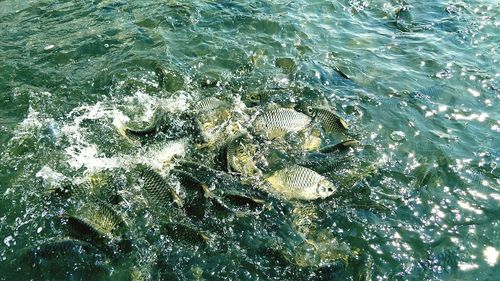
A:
x: 297, y: 182
x: 209, y: 104
x: 280, y: 121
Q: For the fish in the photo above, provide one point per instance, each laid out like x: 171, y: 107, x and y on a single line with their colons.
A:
x: 323, y: 162
x: 299, y: 183
x: 209, y: 104
x: 174, y: 124
x: 256, y: 97
x: 197, y: 193
x: 102, y: 216
x: 68, y: 189
x: 277, y: 122
x: 64, y: 251
x: 212, y: 119
x: 169, y: 80
x: 288, y: 65
x: 240, y: 153
x: 157, y: 188
x: 185, y: 233
x: 64, y: 259
x: 97, y: 218
x: 240, y: 202
x: 60, y: 247
x: 304, y: 218
x: 329, y: 121
x: 339, y: 147
x: 100, y: 185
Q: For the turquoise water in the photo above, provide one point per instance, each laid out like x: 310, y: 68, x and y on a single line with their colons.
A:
x: 418, y: 82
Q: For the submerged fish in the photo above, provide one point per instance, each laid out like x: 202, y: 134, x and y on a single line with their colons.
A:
x: 338, y: 147
x: 174, y: 124
x: 239, y: 201
x: 322, y: 249
x: 169, y: 80
x: 99, y: 217
x: 197, y: 193
x: 277, y: 122
x: 184, y: 233
x: 157, y: 188
x: 297, y: 182
x: 66, y: 249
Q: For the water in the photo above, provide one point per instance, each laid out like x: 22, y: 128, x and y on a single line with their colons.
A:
x: 422, y: 95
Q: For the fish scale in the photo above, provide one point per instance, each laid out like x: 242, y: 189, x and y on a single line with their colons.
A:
x: 282, y: 119
x: 301, y: 177
x: 330, y: 121
x: 208, y: 104
x: 158, y: 188
x: 297, y: 182
x: 104, y: 216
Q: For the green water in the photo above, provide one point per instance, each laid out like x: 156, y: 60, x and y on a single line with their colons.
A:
x: 422, y: 96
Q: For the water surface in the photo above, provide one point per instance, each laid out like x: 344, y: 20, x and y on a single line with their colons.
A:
x: 417, y: 80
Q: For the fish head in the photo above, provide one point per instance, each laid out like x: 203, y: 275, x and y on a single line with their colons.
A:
x: 306, y: 108
x: 326, y: 188
x: 253, y: 98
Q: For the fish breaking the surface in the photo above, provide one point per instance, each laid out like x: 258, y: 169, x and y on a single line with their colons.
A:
x: 297, y: 182
x: 277, y: 122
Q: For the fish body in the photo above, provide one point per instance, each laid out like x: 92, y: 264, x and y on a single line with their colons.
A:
x: 300, y: 183
x: 280, y: 121
x: 61, y: 247
x: 97, y: 217
x: 102, y: 216
x: 185, y: 233
x: 330, y: 121
x: 158, y: 189
x: 339, y: 147
x: 209, y: 104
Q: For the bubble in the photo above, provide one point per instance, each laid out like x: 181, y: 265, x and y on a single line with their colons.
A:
x: 398, y: 136
x: 49, y: 47
x: 8, y: 240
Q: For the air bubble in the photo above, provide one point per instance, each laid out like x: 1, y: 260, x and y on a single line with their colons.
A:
x: 398, y: 136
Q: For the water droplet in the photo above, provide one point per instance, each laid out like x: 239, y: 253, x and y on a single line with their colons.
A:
x: 106, y: 45
x: 7, y: 240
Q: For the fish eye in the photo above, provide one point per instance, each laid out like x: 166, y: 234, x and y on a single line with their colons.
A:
x: 253, y: 96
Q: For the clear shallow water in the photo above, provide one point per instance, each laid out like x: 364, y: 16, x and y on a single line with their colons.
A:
x: 423, y: 97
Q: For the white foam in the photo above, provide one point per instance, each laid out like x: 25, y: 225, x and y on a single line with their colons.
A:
x: 48, y: 175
